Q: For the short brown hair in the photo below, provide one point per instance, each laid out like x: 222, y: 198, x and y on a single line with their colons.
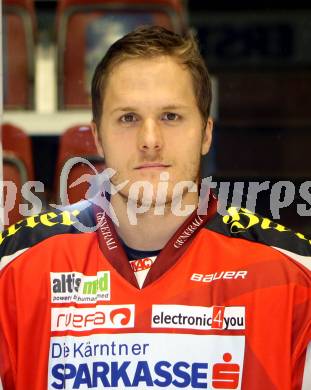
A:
x: 148, y: 42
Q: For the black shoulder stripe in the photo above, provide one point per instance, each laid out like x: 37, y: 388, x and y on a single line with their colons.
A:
x: 242, y: 223
x: 30, y: 231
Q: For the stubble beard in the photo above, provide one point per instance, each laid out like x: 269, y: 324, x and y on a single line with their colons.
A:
x: 157, y: 202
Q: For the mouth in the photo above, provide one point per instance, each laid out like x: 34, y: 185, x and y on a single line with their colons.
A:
x: 153, y: 165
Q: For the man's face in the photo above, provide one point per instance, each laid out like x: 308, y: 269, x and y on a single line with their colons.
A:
x: 151, y: 124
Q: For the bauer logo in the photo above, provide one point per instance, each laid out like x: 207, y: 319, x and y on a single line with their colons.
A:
x: 198, y: 317
x: 77, y: 287
x: 89, y: 318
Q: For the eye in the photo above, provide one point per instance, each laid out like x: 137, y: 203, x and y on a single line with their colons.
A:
x: 170, y: 116
x: 128, y: 118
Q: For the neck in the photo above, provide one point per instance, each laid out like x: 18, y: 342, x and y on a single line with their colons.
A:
x: 149, y: 231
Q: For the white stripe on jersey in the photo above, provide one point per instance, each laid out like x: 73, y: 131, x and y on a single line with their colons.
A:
x: 304, y: 260
x: 306, y: 382
x: 5, y: 260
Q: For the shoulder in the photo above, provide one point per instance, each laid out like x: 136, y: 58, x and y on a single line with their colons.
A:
x: 34, y: 230
x: 244, y: 224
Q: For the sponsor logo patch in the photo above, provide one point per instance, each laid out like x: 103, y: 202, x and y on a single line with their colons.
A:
x: 76, y: 287
x: 142, y: 264
x: 198, y: 317
x: 208, y: 278
x: 146, y: 360
x: 89, y: 318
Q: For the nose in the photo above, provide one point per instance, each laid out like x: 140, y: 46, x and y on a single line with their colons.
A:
x: 150, y: 136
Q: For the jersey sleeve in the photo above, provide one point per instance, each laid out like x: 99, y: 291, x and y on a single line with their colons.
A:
x: 306, y: 379
x: 244, y: 224
x: 301, y: 340
x: 15, y: 244
x: 8, y: 330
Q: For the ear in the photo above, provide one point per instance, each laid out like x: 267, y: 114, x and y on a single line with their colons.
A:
x: 97, y: 138
x: 207, y: 136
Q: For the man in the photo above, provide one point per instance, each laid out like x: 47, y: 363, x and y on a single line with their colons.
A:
x: 162, y: 294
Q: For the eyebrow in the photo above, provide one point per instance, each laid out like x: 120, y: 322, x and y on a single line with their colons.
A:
x: 133, y: 109
x: 124, y: 109
x: 174, y: 107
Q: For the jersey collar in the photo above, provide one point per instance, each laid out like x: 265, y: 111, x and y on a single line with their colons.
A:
x: 113, y: 250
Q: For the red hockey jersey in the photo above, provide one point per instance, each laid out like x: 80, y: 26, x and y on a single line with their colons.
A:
x: 226, y: 305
